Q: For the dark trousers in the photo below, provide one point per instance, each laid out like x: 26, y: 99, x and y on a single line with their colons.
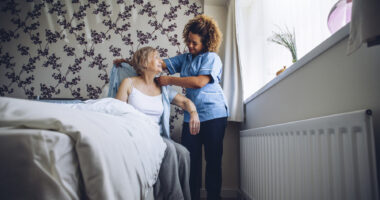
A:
x: 211, y: 136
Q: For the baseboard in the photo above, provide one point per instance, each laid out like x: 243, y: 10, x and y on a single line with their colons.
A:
x: 226, y: 193
x: 244, y: 196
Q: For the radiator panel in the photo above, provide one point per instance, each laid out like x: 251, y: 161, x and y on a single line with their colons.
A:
x: 329, y: 157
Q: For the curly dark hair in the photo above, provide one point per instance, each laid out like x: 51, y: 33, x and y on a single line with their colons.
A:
x: 208, y: 29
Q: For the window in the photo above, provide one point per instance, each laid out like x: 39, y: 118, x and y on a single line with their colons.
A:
x: 257, y: 20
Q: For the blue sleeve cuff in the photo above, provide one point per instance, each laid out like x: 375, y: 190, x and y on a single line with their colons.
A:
x: 208, y: 72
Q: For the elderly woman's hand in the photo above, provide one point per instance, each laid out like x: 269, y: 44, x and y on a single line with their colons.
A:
x: 188, y: 105
x: 194, y: 123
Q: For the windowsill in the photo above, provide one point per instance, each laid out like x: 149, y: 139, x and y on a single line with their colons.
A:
x: 324, y: 46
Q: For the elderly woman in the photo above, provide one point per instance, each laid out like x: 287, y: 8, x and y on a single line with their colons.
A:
x: 145, y: 95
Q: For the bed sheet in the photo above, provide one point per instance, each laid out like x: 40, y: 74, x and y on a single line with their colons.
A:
x: 38, y: 164
x: 119, y: 149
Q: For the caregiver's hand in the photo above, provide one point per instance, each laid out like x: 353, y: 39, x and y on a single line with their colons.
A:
x: 163, y: 80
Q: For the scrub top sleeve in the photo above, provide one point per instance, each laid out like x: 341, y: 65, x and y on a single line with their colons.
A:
x: 211, y: 65
x: 174, y: 64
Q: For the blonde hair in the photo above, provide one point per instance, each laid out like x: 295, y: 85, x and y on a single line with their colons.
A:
x: 141, y: 58
x: 208, y: 29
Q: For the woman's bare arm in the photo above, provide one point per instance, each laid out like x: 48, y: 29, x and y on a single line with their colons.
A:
x: 188, y: 105
x: 123, y: 91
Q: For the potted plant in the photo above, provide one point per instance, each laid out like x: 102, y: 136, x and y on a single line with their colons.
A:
x: 287, y: 39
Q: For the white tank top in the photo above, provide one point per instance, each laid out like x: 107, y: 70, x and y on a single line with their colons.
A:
x: 149, y: 105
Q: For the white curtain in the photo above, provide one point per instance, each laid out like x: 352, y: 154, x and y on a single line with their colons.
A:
x: 365, y: 24
x: 256, y: 21
x: 232, y: 79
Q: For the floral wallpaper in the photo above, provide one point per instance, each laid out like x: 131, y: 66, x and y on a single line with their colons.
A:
x: 65, y: 49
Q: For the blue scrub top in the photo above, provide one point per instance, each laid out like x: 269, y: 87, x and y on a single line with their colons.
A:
x: 209, y: 100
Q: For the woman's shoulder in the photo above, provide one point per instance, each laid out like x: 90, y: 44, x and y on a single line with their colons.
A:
x: 210, y: 55
x: 129, y: 81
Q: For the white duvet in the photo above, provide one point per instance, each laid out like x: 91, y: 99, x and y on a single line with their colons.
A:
x: 119, y: 149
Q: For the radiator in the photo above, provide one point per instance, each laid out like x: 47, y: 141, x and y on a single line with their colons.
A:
x: 330, y: 158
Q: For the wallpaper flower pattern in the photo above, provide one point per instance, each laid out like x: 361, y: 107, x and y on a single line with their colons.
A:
x: 65, y: 49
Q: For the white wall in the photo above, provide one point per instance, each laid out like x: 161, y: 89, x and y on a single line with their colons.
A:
x: 331, y: 83
x: 219, y: 13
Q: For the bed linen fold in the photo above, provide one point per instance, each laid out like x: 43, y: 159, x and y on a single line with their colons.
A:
x: 38, y: 164
x: 119, y: 149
